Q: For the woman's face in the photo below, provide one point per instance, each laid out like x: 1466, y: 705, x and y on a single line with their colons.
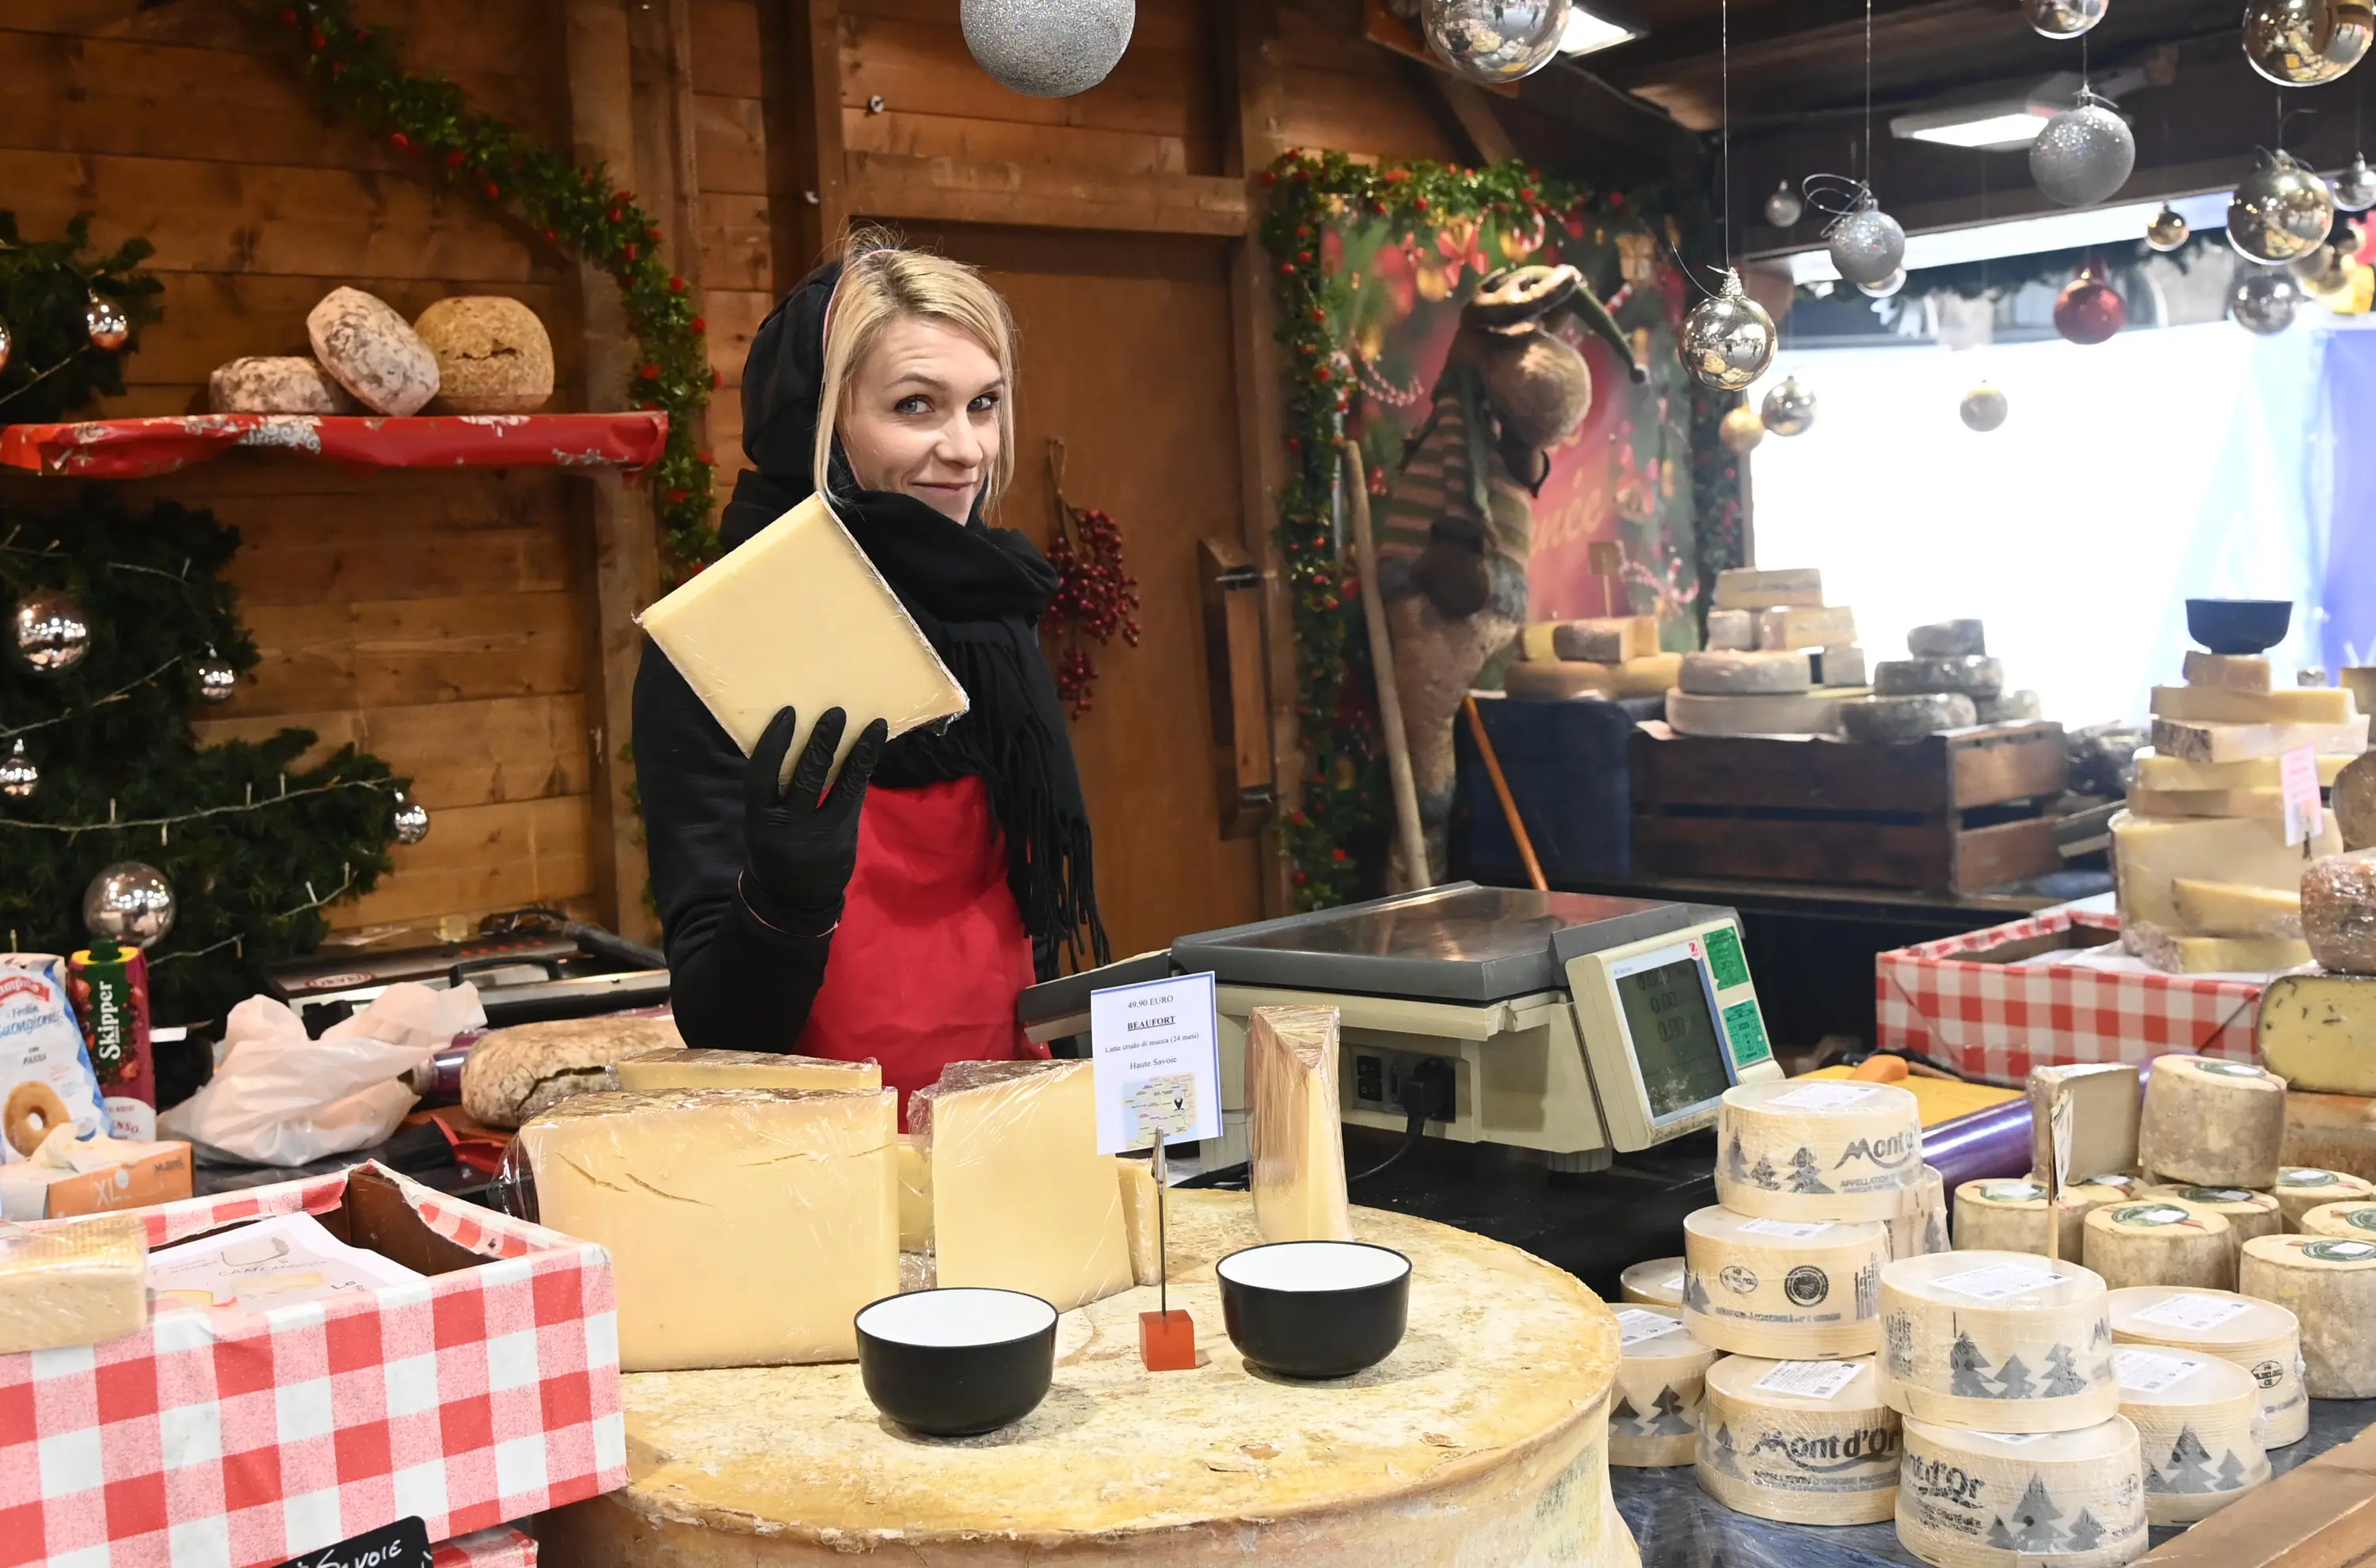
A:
x: 922, y: 416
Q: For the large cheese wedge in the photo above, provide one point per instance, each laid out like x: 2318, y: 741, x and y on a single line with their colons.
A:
x: 1142, y: 1220
x: 1731, y: 631
x: 2266, y: 804
x: 745, y: 1227
x: 1783, y: 1287
x: 2235, y: 908
x: 2212, y: 1124
x: 2248, y: 1214
x: 742, y: 1070
x: 2214, y: 743
x: 2007, y: 1341
x: 1657, y: 1283
x: 2176, y: 955
x: 2150, y: 852
x: 2318, y: 1032
x: 1296, y: 1168
x: 2161, y: 1242
x: 2217, y: 705
x: 1808, y: 1442
x: 2175, y: 773
x: 2195, y: 1417
x: 2104, y: 1101
x: 2010, y: 1216
x: 2000, y: 1499
x: 2338, y: 901
x: 1818, y: 1148
x: 2228, y: 671
x: 2351, y: 1218
x: 2303, y: 1188
x: 2328, y: 1283
x: 1797, y: 627
x: 797, y: 616
x: 1022, y: 1200
x: 915, y: 1194
x: 1746, y: 588
x: 72, y: 1284
x: 1654, y: 1411
x: 2261, y: 1337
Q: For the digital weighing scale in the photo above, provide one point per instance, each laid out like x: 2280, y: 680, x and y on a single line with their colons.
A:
x: 1575, y: 1027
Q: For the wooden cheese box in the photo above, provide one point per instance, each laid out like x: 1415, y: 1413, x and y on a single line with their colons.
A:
x: 1959, y: 812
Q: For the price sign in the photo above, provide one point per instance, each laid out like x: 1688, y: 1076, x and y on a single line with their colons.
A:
x: 2298, y: 781
x: 1157, y: 1053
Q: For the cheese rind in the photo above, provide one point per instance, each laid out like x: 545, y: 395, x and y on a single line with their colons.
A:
x: 1818, y: 1150
x: 2235, y: 908
x: 2106, y: 1104
x: 1296, y: 1170
x: 1654, y: 1410
x: 1022, y: 1200
x: 2339, y: 905
x: 2176, y: 955
x: 1141, y: 1222
x: 2351, y: 1218
x: 2353, y: 801
x: 1731, y: 631
x: 1555, y: 681
x: 1811, y: 713
x: 742, y: 1070
x: 2161, y: 1242
x: 74, y: 1283
x: 2316, y: 1030
x: 1842, y: 664
x: 1768, y: 1288
x: 1964, y: 1495
x: 1809, y: 1458
x: 2212, y: 1124
x: 1744, y: 675
x: 2228, y: 671
x: 1974, y: 676
x: 2004, y: 1341
x: 2261, y: 1337
x: 2196, y: 741
x: 2329, y: 1284
x: 1611, y: 639
x: 2150, y: 853
x: 1746, y: 588
x: 2292, y: 704
x: 1891, y: 720
x: 2302, y: 1189
x: 2266, y: 804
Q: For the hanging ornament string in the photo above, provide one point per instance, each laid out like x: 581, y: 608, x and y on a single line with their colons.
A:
x: 238, y: 940
x: 166, y: 823
x: 115, y: 696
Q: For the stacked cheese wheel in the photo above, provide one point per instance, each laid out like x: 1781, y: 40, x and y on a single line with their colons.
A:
x: 2212, y: 1124
x: 1654, y: 1415
x: 2300, y: 1188
x: 2329, y: 1283
x: 2010, y: 1217
x: 1994, y: 1499
x: 1657, y: 1283
x: 2161, y: 1242
x: 2261, y: 1337
x: 1783, y: 1287
x: 1811, y: 1443
x: 2198, y: 1421
x: 1827, y: 1149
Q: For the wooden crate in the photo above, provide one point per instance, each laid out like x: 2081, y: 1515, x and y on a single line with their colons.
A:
x: 1957, y: 812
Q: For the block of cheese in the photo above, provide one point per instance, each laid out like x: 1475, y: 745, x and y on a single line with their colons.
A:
x: 1022, y: 1200
x: 2206, y: 803
x: 2248, y: 1214
x: 1822, y: 1148
x: 2195, y: 1417
x: 2006, y: 1341
x: 2352, y: 1218
x: 1657, y: 1283
x: 2319, y: 1032
x: 2235, y: 908
x: 2329, y: 1284
x: 1140, y: 1223
x: 2287, y: 704
x: 1811, y: 713
x: 1807, y: 1442
x: 2150, y: 852
x: 2009, y: 1216
x: 1806, y: 627
x: 1611, y: 640
x: 2301, y: 1188
x: 915, y: 1193
x: 1296, y: 1168
x: 2354, y: 802
x: 2160, y: 1241
x: 2213, y: 1124
x: 745, y: 1227
x: 742, y: 1070
x: 1921, y: 1225
x: 2339, y: 905
x: 1974, y: 676
x: 2261, y: 1337
x: 291, y: 384
x: 1748, y: 588
x: 1997, y: 1499
x: 2177, y: 774
x: 1529, y: 681
x: 372, y: 352
x: 75, y: 1283
x: 516, y: 1074
x: 2197, y: 741
x: 1731, y: 631
x: 1889, y: 722
x: 2105, y: 1103
x: 2010, y: 707
x: 797, y: 616
x: 1947, y: 640
x: 1654, y: 1411
x: 1742, y: 674
x: 2176, y: 955
x: 2228, y: 672
x: 1782, y: 1287
x: 1840, y: 664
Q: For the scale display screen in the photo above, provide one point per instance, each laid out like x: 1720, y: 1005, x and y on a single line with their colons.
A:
x: 1663, y: 995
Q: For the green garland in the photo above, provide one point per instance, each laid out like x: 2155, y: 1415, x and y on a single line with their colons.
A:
x: 430, y: 118
x: 52, y: 366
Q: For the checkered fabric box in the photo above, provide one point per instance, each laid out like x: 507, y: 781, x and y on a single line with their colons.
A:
x: 501, y: 1548
x: 232, y: 1438
x: 1996, y: 1021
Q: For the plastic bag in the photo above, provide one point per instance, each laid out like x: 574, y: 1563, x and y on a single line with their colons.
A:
x: 280, y: 1098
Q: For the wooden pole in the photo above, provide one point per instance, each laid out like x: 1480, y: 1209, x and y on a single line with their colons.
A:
x: 1501, y: 790
x: 1382, y: 660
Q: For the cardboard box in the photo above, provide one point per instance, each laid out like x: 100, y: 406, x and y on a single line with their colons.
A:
x: 160, y: 1173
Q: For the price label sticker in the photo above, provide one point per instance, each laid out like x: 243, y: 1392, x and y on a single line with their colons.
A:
x: 1994, y: 1284
x: 1824, y: 1096
x: 2149, y: 1372
x: 2193, y: 1313
x: 1813, y: 1380
x: 1634, y: 1326
x: 2298, y: 783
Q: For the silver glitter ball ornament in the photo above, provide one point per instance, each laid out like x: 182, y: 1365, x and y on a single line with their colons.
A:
x: 1867, y: 246
x: 1048, y: 48
x: 49, y: 632
x: 2303, y: 43
x: 2354, y: 186
x: 2083, y: 154
x: 217, y: 681
x: 7, y: 345
x: 130, y: 903
x: 2263, y: 301
x: 109, y: 328
x: 1983, y: 409
x: 1493, y: 41
x: 2167, y: 231
x: 1727, y: 338
x: 1789, y: 409
x: 412, y: 819
x: 2279, y: 211
x: 1784, y: 208
x: 1741, y: 429
x: 1885, y: 288
x: 2064, y: 18
x: 20, y: 777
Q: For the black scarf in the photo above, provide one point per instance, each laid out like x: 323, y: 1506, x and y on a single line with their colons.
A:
x: 977, y: 593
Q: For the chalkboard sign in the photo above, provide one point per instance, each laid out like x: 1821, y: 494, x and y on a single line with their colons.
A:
x: 404, y: 1544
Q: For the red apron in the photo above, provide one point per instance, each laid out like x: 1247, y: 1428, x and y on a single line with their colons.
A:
x: 931, y: 952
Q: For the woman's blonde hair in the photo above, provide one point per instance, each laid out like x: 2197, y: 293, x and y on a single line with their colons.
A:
x: 883, y: 282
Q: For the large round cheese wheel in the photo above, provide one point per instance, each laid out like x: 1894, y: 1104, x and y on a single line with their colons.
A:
x: 2329, y: 1283
x: 1810, y: 1442
x: 2195, y: 1417
x: 2301, y: 1188
x: 1654, y: 1415
x: 1887, y: 721
x: 1799, y: 713
x: 2212, y: 1124
x: 2022, y: 1499
x: 276, y: 384
x: 493, y: 356
x: 374, y: 352
x: 1783, y: 1287
x: 1975, y: 675
x: 1921, y: 1225
x: 2110, y: 1187
x: 2161, y: 1242
x: 1818, y: 1148
x: 2003, y: 1341
x: 1745, y: 674
x: 2261, y: 1337
x: 1657, y: 1283
x: 2353, y: 1219
x: 2248, y: 1214
x: 2009, y: 1216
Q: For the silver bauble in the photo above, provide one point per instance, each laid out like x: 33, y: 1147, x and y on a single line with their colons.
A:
x: 2167, y: 231
x: 1783, y: 208
x: 7, y: 345
x: 1885, y: 288
x: 1983, y: 408
x: 1741, y: 429
x: 129, y: 903
x: 48, y: 632
x: 2303, y: 43
x: 2279, y: 211
x: 1048, y: 48
x: 1493, y: 41
x: 18, y: 775
x: 217, y: 681
x: 1789, y: 408
x: 412, y: 819
x: 2354, y: 186
x: 2083, y: 154
x: 2263, y: 301
x: 109, y: 327
x: 2063, y: 18
x: 1727, y: 338
x: 1867, y: 246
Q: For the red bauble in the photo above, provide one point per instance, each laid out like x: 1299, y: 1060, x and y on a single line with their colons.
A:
x: 2089, y: 310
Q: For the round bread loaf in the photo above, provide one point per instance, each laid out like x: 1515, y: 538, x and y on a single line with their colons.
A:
x: 514, y: 1075
x: 276, y: 384
x: 372, y: 352
x: 493, y: 356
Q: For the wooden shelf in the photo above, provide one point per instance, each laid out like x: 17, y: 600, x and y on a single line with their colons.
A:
x: 138, y: 448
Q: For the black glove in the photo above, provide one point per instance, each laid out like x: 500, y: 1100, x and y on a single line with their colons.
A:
x: 801, y: 848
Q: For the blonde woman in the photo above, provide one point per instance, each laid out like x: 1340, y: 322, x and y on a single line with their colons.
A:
x: 898, y: 916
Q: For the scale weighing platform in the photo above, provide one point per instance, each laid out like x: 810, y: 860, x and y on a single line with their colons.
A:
x: 1574, y: 1027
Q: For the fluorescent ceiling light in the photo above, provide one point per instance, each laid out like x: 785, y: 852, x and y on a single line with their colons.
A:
x: 2027, y: 236
x: 1587, y: 32
x: 2014, y: 128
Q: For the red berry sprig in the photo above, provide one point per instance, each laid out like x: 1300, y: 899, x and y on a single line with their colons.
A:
x: 1096, y: 599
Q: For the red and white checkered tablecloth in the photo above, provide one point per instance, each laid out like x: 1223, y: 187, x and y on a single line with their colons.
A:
x: 501, y: 1548
x: 1996, y: 1021
x: 234, y: 1438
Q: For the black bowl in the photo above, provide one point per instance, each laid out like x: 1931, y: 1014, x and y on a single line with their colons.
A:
x: 952, y: 1363
x: 2239, y: 626
x: 1315, y: 1309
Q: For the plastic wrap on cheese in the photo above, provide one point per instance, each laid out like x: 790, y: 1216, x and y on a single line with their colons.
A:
x: 73, y: 1284
x: 797, y: 616
x: 1297, y: 1172
x: 2338, y: 911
